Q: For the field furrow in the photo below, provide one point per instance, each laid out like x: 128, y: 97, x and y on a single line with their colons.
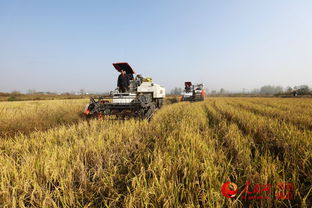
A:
x: 301, y: 121
x: 293, y: 106
x: 285, y: 143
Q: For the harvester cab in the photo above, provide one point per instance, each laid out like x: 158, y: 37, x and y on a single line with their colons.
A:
x: 193, y: 93
x: 142, y: 99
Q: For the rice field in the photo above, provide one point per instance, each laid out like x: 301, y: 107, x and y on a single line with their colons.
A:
x: 28, y: 116
x: 181, y: 158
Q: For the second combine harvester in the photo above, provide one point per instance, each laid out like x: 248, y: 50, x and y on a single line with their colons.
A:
x: 193, y: 93
x: 142, y: 99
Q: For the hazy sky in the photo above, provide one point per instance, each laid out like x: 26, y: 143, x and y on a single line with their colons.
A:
x: 70, y: 45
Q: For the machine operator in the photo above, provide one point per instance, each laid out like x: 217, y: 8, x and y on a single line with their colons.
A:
x: 124, y: 81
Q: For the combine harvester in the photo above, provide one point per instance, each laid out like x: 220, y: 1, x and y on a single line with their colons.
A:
x: 193, y: 93
x: 143, y: 98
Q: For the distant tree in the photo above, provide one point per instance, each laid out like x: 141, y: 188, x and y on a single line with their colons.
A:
x: 50, y: 93
x: 278, y: 89
x: 213, y: 92
x: 176, y: 91
x: 255, y: 91
x: 270, y: 90
x: 289, y: 89
x: 222, y: 91
x: 82, y: 92
x: 31, y: 91
x: 302, y: 89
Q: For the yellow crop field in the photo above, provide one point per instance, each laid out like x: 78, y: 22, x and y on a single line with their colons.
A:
x: 27, y: 116
x: 182, y: 157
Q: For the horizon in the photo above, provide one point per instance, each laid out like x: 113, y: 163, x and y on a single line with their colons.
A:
x: 171, y: 91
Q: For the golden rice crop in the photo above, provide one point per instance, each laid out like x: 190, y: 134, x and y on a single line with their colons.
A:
x: 27, y: 116
x: 180, y: 158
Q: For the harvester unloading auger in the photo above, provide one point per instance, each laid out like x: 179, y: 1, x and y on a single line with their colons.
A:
x: 142, y: 99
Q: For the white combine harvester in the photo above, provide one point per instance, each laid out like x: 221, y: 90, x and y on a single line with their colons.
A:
x: 193, y: 93
x: 142, y: 99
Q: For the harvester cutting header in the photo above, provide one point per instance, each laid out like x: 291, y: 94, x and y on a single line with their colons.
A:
x: 134, y: 97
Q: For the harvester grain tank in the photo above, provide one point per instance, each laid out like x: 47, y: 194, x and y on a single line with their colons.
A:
x: 142, y: 99
x: 193, y: 93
